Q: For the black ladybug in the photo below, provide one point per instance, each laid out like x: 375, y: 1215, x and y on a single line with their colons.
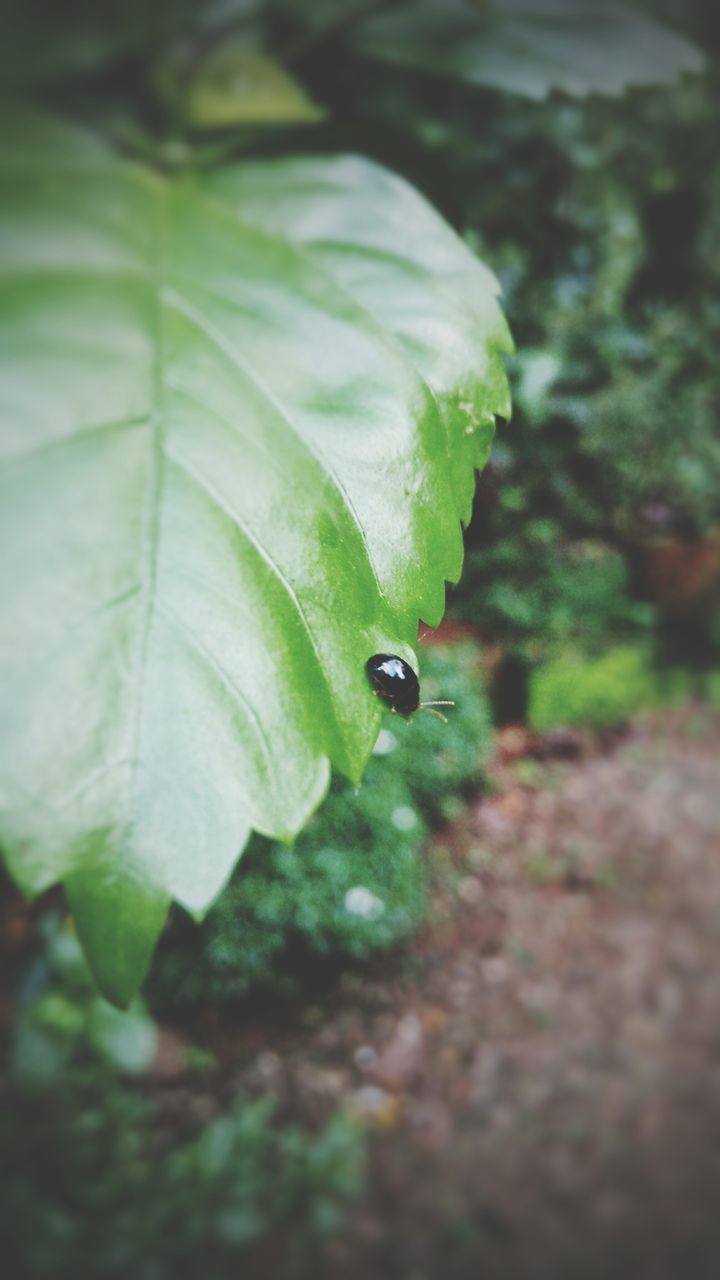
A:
x: 396, y: 682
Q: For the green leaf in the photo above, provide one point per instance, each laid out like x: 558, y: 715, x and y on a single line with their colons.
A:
x: 240, y: 86
x: 530, y: 46
x: 127, y: 1040
x: 240, y: 419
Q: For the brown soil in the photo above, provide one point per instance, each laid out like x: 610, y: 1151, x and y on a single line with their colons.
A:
x: 540, y: 1074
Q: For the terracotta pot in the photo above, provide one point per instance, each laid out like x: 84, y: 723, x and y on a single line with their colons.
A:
x: 682, y: 578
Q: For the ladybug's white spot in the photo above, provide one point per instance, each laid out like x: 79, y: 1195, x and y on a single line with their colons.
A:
x: 394, y: 667
x: 360, y: 901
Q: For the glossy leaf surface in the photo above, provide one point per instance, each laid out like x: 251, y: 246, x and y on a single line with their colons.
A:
x: 240, y: 418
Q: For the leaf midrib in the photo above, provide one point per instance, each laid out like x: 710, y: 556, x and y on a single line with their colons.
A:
x: 167, y: 293
x: 151, y: 538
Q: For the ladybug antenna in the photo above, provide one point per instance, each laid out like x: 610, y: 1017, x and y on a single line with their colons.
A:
x: 428, y: 706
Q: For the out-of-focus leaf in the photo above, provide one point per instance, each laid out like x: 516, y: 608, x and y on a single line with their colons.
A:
x: 127, y: 1039
x: 240, y: 86
x: 530, y: 46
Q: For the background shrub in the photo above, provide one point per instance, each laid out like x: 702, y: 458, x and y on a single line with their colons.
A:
x: 94, y: 1182
x: 596, y: 693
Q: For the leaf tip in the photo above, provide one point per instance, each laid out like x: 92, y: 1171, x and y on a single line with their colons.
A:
x: 118, y: 921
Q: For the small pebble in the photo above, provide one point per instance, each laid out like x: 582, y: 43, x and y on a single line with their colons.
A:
x: 365, y: 1057
x: 470, y: 890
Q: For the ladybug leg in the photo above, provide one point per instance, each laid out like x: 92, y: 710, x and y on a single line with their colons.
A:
x: 385, y: 696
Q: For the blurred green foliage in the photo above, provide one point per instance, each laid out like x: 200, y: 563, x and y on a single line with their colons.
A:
x: 537, y: 591
x: 96, y: 1184
x: 612, y: 295
x: 597, y: 693
x: 601, y: 219
x: 355, y: 879
x: 604, y: 692
x: 66, y: 1020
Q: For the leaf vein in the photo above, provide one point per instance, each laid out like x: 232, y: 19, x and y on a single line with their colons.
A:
x: 88, y: 782
x: 210, y: 661
x: 237, y: 520
x: 206, y: 326
x: 74, y: 437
